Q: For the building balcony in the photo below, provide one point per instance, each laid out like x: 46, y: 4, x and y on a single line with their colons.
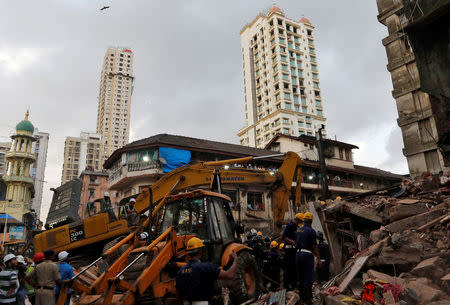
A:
x: 20, y: 154
x: 134, y: 169
x: 28, y: 180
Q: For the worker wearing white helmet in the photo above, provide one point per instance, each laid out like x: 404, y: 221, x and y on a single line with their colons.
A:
x: 10, y: 281
x: 106, y: 206
x: 66, y: 273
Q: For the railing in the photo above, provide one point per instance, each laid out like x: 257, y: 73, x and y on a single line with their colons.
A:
x: 115, y: 174
x: 142, y: 165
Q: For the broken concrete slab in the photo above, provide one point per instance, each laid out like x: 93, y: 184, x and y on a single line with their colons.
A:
x: 425, y: 292
x: 414, y: 221
x: 403, y: 211
x: 385, y: 277
x: 408, y: 201
x: 408, y: 255
x: 363, y: 212
x: 431, y: 268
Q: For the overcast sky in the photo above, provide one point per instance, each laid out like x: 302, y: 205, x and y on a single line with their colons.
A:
x: 187, y: 65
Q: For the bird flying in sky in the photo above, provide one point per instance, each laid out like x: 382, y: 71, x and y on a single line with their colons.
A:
x: 104, y: 8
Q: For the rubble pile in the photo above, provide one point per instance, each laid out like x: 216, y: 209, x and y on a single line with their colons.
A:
x: 389, y: 248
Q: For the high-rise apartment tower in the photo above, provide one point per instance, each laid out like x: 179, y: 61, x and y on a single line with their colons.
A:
x: 281, y: 78
x: 116, y: 88
x: 40, y: 147
x: 80, y: 154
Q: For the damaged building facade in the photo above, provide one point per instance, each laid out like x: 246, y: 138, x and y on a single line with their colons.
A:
x: 419, y: 121
x: 140, y: 164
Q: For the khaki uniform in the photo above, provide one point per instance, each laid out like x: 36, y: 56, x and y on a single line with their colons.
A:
x: 45, y: 276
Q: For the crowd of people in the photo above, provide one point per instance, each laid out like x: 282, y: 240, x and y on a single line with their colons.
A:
x: 38, y: 280
x: 290, y: 262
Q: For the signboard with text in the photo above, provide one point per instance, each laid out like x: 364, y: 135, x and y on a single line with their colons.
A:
x: 16, y: 232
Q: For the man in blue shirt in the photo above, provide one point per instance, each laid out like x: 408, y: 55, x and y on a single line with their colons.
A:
x: 66, y: 272
x: 195, y: 281
x: 306, y: 244
x: 289, y: 248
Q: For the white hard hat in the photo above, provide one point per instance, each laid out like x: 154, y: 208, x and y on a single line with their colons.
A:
x: 8, y: 257
x: 106, y: 194
x: 21, y: 259
x: 143, y: 235
x: 62, y: 256
x: 133, y: 200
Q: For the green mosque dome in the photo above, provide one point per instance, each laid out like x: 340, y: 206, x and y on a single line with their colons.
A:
x: 25, y: 125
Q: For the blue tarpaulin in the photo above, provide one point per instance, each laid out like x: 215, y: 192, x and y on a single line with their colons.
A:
x: 173, y: 158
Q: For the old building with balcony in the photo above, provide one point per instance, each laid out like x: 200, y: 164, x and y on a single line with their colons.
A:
x: 141, y: 163
x: 344, y: 177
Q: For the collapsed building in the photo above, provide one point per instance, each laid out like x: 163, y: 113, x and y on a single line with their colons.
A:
x: 395, y: 242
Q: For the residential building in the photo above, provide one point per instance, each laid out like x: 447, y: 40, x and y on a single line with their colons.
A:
x: 94, y: 184
x: 4, y: 148
x: 116, y: 88
x: 18, y: 180
x: 138, y: 165
x: 281, y: 78
x: 415, y: 114
x: 81, y: 153
x: 38, y: 168
x: 343, y: 175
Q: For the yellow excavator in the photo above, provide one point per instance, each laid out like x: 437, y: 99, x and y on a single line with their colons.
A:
x: 145, y: 265
x: 98, y: 230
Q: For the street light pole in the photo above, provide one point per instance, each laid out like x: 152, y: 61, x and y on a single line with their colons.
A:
x: 323, y: 166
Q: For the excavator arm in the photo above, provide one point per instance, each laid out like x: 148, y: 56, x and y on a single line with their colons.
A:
x: 202, y: 173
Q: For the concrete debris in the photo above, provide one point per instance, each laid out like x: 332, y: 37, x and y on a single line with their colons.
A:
x: 407, y: 258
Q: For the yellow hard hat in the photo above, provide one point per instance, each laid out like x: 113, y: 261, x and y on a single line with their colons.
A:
x: 281, y: 246
x: 322, y: 202
x: 339, y: 197
x: 308, y: 216
x: 259, y: 233
x: 273, y: 244
x: 299, y: 216
x: 194, y: 243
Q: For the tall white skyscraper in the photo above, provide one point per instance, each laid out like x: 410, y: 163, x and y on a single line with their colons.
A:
x: 40, y: 147
x: 116, y: 88
x: 281, y: 78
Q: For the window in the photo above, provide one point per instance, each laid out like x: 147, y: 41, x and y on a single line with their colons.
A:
x: 314, y: 75
x: 277, y: 97
x: 255, y: 201
x: 285, y: 121
x: 288, y: 106
x: 283, y: 49
x: 316, y: 85
x: 282, y: 40
x: 287, y: 95
x: 314, y: 67
x: 285, y: 77
x: 341, y: 153
x: 275, y: 69
x: 286, y: 130
x: 319, y: 112
x: 278, y: 106
x: 284, y: 67
x: 296, y: 39
x: 283, y: 58
x: 301, y: 132
x: 300, y: 124
x: 304, y: 109
x: 309, y: 133
x: 300, y: 74
x: 303, y: 101
x: 308, y: 125
x: 297, y: 107
x: 276, y: 77
x: 295, y: 99
x: 310, y: 42
x: 266, y: 127
x: 293, y: 71
x: 290, y: 45
x: 313, y: 59
x: 318, y: 104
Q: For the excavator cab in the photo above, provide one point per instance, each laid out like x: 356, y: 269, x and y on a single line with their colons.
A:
x: 206, y: 215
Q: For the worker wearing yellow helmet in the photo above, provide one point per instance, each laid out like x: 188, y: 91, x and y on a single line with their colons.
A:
x: 273, y: 266
x: 306, y: 244
x: 288, y: 236
x: 281, y: 247
x: 195, y: 281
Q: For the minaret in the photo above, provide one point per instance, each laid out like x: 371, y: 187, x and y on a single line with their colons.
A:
x: 20, y: 187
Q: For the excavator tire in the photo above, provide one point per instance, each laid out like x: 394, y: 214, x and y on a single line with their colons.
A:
x: 246, y: 283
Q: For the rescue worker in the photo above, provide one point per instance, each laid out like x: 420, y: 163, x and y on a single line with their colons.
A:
x: 65, y: 272
x: 323, y: 273
x: 306, y: 244
x: 289, y: 274
x: 21, y: 272
x: 106, y: 206
x: 133, y: 216
x: 274, y: 265
x: 31, y: 293
x: 9, y: 280
x: 195, y: 281
x: 46, y: 276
